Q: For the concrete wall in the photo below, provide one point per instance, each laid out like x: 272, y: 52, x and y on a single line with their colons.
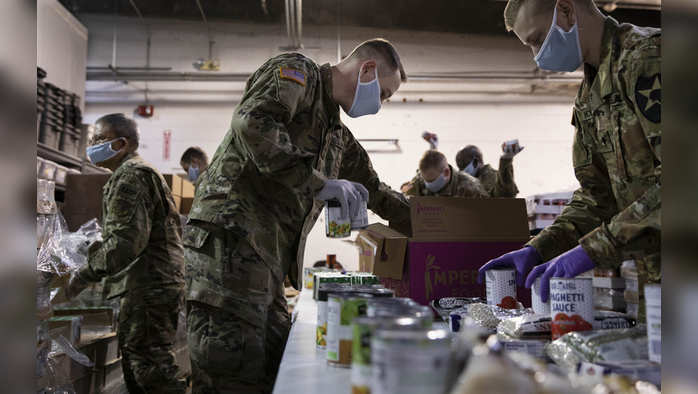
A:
x: 61, y: 47
x: 199, y: 113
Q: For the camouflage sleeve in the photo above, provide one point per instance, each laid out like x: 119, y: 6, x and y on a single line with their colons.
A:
x: 488, y: 179
x: 505, y: 186
x: 413, y: 188
x: 126, y: 227
x: 272, y: 100
x: 384, y: 201
x: 636, y: 231
x: 469, y: 187
x: 592, y: 204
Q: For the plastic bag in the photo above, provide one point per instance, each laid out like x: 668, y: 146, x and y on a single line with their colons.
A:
x: 598, y: 345
x: 65, y: 252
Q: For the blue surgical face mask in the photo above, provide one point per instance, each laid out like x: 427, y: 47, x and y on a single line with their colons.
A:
x: 367, y: 98
x: 101, y: 152
x: 193, y: 173
x: 471, y: 168
x: 437, y: 184
x: 561, y: 50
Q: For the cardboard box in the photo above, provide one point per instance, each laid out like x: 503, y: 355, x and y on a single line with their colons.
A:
x: 67, y: 326
x: 91, y: 316
x: 186, y: 205
x: 382, y: 251
x: 174, y: 182
x: 187, y: 189
x: 451, y: 239
x: 83, y: 198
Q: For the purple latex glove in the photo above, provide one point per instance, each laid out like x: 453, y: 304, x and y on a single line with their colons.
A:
x: 567, y: 265
x: 522, y: 260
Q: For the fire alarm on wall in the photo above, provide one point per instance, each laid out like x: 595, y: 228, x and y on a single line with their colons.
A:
x: 145, y: 111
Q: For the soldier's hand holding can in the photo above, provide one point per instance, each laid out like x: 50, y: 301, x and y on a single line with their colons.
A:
x: 349, y: 194
x: 511, y: 149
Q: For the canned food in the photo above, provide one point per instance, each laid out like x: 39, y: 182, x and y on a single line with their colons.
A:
x: 653, y: 311
x: 500, y: 287
x: 328, y: 277
x: 364, y: 278
x: 375, y: 292
x: 571, y: 305
x: 361, y: 220
x: 321, y: 324
x: 410, y: 362
x: 539, y: 307
x: 393, y: 307
x: 336, y: 226
x: 363, y: 329
x: 342, y: 309
x: 308, y: 276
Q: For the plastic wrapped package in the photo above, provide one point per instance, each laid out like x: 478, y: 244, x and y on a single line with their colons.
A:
x: 597, y: 346
x: 63, y: 252
x: 525, y: 326
x: 487, y: 316
x: 444, y: 306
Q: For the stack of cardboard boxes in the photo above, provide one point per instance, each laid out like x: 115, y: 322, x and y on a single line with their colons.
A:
x: 182, y: 192
x: 544, y: 208
x: 451, y: 239
x: 83, y: 196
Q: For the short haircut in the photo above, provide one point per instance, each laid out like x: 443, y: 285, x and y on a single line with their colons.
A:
x: 466, y: 155
x: 432, y: 159
x: 382, y: 49
x: 194, y: 152
x: 122, y: 126
x: 511, y: 11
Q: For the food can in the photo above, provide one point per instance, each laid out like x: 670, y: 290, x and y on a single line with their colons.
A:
x: 361, y: 220
x: 342, y: 309
x: 376, y: 292
x: 410, y: 362
x: 308, y: 279
x: 336, y: 226
x: 571, y: 305
x: 321, y: 324
x: 653, y: 311
x: 539, y: 307
x: 500, y: 287
x: 393, y: 307
x: 328, y: 277
x: 363, y: 329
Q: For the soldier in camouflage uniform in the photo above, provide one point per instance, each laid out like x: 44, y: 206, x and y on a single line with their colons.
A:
x: 140, y: 256
x: 615, y: 214
x: 437, y: 178
x: 285, y: 152
x: 497, y: 183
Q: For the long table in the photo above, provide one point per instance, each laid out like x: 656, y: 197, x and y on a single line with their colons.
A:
x: 303, y: 368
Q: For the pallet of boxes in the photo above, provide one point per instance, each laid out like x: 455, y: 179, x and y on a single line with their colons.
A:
x: 543, y: 209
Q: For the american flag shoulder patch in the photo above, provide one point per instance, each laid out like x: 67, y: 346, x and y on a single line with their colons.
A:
x: 293, y: 75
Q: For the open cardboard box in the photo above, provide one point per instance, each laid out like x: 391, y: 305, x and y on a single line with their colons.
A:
x: 451, y: 239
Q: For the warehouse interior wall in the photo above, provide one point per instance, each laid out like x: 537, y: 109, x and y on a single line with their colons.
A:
x: 61, y: 47
x: 198, y: 113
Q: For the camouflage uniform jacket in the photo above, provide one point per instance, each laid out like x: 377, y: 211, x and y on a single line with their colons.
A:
x: 499, y: 183
x: 141, y: 248
x: 460, y: 185
x: 284, y: 141
x: 615, y: 214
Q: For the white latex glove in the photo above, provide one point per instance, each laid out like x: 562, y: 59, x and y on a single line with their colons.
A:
x: 349, y: 194
x: 511, y: 150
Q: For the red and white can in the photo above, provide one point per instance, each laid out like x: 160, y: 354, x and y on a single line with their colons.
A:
x: 500, y: 287
x: 571, y: 305
x: 539, y: 307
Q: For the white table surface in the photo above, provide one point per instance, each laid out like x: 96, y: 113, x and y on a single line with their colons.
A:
x: 304, y: 368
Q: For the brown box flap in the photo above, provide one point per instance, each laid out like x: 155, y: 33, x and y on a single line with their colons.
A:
x: 382, y: 251
x: 462, y: 219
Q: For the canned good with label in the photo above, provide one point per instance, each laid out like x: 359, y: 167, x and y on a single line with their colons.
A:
x: 571, y: 305
x: 342, y: 309
x: 410, y: 362
x: 336, y: 226
x: 363, y: 330
x: 500, y: 287
x: 321, y: 324
x: 539, y: 307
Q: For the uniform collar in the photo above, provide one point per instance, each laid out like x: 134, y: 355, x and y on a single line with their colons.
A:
x: 331, y: 106
x: 603, y: 84
x: 126, y: 158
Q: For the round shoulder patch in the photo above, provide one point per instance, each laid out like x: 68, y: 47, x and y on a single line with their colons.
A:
x: 648, y: 97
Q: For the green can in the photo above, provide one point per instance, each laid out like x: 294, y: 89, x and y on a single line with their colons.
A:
x: 363, y: 330
x: 342, y: 309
